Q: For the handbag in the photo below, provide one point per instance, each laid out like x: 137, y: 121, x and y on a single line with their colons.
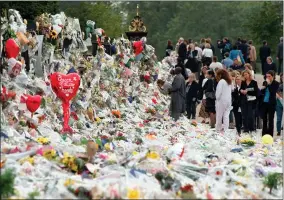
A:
x: 211, y: 95
x: 239, y: 59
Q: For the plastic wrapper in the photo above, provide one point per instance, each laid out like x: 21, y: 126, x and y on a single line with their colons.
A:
x: 142, y: 153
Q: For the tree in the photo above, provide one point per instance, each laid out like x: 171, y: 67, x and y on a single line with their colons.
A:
x: 266, y: 23
x: 30, y: 10
x: 100, y: 12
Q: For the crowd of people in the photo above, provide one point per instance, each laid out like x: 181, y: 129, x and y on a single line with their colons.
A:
x: 227, y: 91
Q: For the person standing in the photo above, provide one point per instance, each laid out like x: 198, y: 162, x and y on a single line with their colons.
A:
x: 249, y: 93
x: 215, y: 64
x: 182, y: 50
x: 192, y: 89
x: 249, y: 67
x: 264, y: 52
x: 223, y: 99
x: 208, y: 40
x: 201, y: 96
x: 227, y: 62
x: 236, y: 103
x: 169, y: 48
x: 224, y: 46
x: 269, y: 65
x: 280, y: 55
x: 210, y: 94
x: 252, y: 55
x: 202, y: 43
x: 177, y: 105
x: 198, y: 58
x: 279, y: 105
x: 192, y: 63
x: 244, y: 48
x: 207, y: 55
x: 268, y: 91
x: 237, y: 54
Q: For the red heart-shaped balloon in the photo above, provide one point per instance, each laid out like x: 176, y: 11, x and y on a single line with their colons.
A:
x: 33, y: 103
x: 65, y: 86
x: 12, y: 49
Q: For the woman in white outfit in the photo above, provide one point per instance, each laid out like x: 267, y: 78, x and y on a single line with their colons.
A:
x: 223, y: 99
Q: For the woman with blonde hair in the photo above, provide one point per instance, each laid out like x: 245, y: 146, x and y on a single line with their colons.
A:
x: 249, y: 93
x: 249, y: 67
x: 207, y: 55
x: 223, y: 99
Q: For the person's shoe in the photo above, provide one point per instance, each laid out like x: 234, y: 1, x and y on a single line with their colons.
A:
x: 278, y: 134
x: 203, y: 122
x: 207, y: 123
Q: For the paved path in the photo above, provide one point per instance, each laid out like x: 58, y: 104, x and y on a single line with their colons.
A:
x: 259, y: 79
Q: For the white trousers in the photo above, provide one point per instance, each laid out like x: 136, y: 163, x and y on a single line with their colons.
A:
x: 222, y: 112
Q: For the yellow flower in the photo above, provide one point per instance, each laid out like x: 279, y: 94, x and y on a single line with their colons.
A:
x: 73, y: 166
x: 69, y: 182
x: 49, y: 154
x: 153, y: 155
x: 53, y: 34
x: 133, y: 194
x: 98, y: 119
x: 42, y: 140
x: 28, y: 159
x: 67, y: 159
x: 134, y: 153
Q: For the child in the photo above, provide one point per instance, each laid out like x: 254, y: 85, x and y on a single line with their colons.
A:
x: 164, y: 86
x: 191, y: 90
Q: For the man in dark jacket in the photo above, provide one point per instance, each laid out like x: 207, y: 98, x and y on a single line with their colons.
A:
x: 244, y: 49
x: 264, y: 52
x: 182, y: 49
x: 192, y: 89
x: 280, y: 55
x: 177, y: 105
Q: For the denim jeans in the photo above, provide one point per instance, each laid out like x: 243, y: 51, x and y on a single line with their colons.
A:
x: 279, y: 113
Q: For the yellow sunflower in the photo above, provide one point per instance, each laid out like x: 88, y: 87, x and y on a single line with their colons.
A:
x: 53, y: 34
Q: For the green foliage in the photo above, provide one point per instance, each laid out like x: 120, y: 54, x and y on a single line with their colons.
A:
x: 7, y: 184
x: 273, y: 180
x: 100, y: 12
x: 30, y: 10
x: 33, y: 195
x: 265, y: 23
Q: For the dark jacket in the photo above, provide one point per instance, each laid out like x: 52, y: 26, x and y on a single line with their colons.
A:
x: 191, y: 93
x: 224, y: 46
x: 192, y: 63
x: 237, y: 67
x: 169, y: 49
x: 236, y: 99
x: 268, y: 67
x: 253, y: 87
x: 182, y: 51
x: 280, y: 50
x: 201, y: 91
x: 273, y: 87
x: 212, y: 48
x: 264, y: 52
x: 177, y: 105
x: 244, y: 49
